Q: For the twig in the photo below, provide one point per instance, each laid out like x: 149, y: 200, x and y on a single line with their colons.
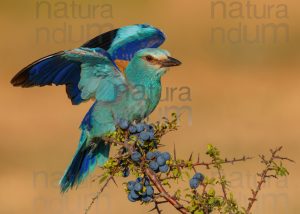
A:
x: 223, y: 185
x: 98, y: 194
x: 208, y: 164
x: 97, y: 177
x: 156, y: 207
x: 152, y: 176
x: 264, y: 175
x: 226, y: 161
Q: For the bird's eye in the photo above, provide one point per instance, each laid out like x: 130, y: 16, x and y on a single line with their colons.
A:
x: 149, y: 58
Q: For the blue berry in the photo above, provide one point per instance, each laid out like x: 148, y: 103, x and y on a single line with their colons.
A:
x: 153, y: 165
x: 194, y: 183
x: 160, y: 160
x: 130, y: 198
x: 136, y: 156
x: 126, y: 172
x: 134, y: 195
x: 150, y: 155
x: 164, y: 168
x: 146, y: 199
x: 150, y: 128
x: 144, y: 136
x: 132, y: 129
x: 123, y: 124
x: 149, y: 190
x: 130, y: 185
x: 199, y: 177
x: 151, y: 135
x: 139, y: 179
x: 147, y: 181
x: 140, y: 127
x: 166, y: 156
x: 138, y: 187
x: 157, y: 153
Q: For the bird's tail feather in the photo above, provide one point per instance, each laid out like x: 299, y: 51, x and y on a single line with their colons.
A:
x: 88, y: 155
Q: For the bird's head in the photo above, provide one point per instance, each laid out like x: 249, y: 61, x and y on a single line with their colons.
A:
x: 151, y: 63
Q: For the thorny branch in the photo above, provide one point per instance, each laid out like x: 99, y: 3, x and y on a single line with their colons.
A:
x: 163, y: 192
x: 196, y: 200
x: 265, y: 174
x: 209, y: 164
x: 99, y: 193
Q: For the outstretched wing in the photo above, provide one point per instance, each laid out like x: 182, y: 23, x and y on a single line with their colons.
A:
x: 100, y: 77
x: 121, y: 44
x: 52, y: 69
x: 126, y: 41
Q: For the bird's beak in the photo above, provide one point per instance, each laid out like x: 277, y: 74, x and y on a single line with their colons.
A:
x: 169, y: 62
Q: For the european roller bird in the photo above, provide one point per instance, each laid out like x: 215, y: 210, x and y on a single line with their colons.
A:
x: 110, y: 69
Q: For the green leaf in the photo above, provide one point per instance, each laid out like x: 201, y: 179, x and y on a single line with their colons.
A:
x: 103, y: 178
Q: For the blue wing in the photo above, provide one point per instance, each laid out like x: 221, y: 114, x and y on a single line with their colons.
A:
x: 123, y: 43
x: 100, y: 77
x: 54, y: 69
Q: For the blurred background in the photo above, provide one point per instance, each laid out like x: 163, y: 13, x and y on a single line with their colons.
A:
x: 238, y: 88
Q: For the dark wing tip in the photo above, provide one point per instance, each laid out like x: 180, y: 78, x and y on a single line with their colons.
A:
x: 103, y: 41
x: 21, y: 78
